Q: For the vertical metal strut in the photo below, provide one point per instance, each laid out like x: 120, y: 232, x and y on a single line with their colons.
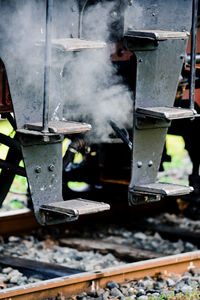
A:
x: 193, y: 53
x: 47, y: 66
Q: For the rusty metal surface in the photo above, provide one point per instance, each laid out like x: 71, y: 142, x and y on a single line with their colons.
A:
x: 61, y: 127
x: 169, y: 113
x: 73, y: 44
x: 76, y: 207
x: 11, y: 222
x: 5, y: 98
x: 75, y: 284
x: 158, y: 35
x: 164, y: 188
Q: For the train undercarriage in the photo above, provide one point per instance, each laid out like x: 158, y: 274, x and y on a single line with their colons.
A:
x: 115, y: 81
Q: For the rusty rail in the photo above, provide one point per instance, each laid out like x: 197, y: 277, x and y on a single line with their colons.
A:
x: 17, y: 221
x: 90, y: 281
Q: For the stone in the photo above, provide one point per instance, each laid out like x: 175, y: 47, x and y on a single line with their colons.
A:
x: 100, y: 291
x: 124, y: 291
x: 148, y: 284
x: 14, y: 239
x: 157, y: 286
x: 3, y: 278
x: 7, y: 270
x: 92, y: 294
x: 115, y: 292
x: 14, y: 276
x: 140, y: 293
x: 170, y: 282
x: 155, y: 295
x: 103, y: 296
x: 143, y: 298
x: 140, y: 236
x: 186, y: 289
x: 82, y: 296
x: 112, y: 284
x: 131, y: 290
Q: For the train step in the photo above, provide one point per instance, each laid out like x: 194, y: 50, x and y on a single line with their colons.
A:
x: 60, y: 127
x: 75, y: 207
x: 74, y: 44
x: 158, y: 35
x: 168, y: 113
x: 165, y: 189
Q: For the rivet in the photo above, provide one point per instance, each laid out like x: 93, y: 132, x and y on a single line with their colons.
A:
x: 46, y: 138
x: 114, y: 14
x: 150, y: 163
x: 139, y: 164
x: 51, y: 167
x: 38, y: 169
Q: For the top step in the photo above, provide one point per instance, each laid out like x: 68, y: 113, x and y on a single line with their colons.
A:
x: 75, y: 207
x: 165, y: 189
x: 60, y: 127
x: 70, y: 45
x: 158, y: 35
x: 168, y: 113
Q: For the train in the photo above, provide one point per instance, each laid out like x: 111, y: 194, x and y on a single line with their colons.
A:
x: 113, y: 77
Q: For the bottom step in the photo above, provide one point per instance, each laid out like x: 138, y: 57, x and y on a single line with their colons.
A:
x: 76, y: 207
x: 166, y: 189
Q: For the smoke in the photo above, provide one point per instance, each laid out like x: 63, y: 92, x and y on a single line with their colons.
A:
x: 94, y: 93
x: 85, y: 84
x: 135, y: 16
x: 93, y: 90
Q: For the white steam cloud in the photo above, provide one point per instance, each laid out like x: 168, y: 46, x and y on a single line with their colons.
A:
x: 85, y: 83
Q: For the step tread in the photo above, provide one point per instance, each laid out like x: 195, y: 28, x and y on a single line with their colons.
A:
x: 75, y: 44
x: 157, y: 35
x: 169, y: 113
x: 166, y: 189
x: 62, y: 127
x: 76, y: 207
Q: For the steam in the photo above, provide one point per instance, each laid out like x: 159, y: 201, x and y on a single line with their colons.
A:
x: 93, y: 90
x: 94, y: 93
x: 85, y: 84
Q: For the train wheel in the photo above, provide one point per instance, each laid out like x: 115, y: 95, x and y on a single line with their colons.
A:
x: 9, y: 166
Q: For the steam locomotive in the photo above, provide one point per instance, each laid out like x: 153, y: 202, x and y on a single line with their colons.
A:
x: 103, y: 74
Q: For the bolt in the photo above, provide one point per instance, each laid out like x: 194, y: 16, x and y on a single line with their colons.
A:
x: 46, y: 138
x: 38, y: 169
x: 140, y: 60
x: 51, y: 167
x: 139, y: 164
x: 114, y: 14
x: 150, y: 163
x: 153, y: 14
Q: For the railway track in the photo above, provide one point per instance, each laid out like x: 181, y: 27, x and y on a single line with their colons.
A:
x: 23, y: 220
x: 73, y: 285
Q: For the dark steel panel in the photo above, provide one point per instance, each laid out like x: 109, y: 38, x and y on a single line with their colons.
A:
x: 24, y: 59
x: 43, y: 167
x: 172, y: 15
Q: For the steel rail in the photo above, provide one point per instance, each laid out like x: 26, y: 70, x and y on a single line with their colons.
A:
x: 90, y: 281
x: 17, y: 221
